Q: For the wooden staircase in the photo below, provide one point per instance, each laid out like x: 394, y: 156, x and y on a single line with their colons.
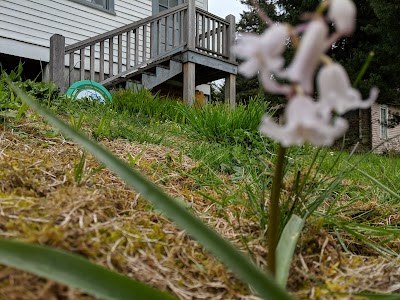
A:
x: 185, y: 44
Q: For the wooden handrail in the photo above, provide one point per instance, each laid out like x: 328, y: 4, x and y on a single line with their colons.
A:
x: 213, y: 34
x: 123, y: 29
x: 211, y: 16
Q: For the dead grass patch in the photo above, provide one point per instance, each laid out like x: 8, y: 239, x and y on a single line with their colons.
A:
x: 105, y: 221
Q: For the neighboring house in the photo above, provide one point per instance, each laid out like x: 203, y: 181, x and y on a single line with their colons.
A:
x: 194, y: 47
x: 385, y: 120
x: 376, y: 129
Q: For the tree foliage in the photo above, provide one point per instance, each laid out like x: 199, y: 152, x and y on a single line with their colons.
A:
x: 378, y: 30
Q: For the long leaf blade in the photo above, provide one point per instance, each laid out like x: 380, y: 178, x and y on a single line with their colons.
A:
x: 286, y: 246
x: 75, y: 271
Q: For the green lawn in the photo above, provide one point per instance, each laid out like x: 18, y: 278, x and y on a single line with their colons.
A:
x: 214, y: 161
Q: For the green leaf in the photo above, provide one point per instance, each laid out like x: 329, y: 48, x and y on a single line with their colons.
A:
x: 240, y: 264
x: 75, y: 271
x: 134, y: 160
x: 286, y: 246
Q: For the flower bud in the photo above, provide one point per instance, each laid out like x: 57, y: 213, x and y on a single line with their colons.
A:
x: 343, y: 14
x: 308, y: 55
x: 304, y: 123
x: 263, y: 56
x: 336, y: 92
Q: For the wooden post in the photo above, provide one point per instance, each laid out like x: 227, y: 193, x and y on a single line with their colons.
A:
x: 189, y: 68
x: 230, y: 37
x: 57, y: 61
x: 191, y: 25
x: 230, y: 90
x: 189, y: 85
x: 230, y: 80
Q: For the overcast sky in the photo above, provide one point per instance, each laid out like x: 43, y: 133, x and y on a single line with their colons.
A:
x: 222, y: 8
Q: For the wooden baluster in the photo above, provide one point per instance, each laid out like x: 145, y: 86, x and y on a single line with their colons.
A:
x: 166, y: 35
x: 101, y: 75
x: 152, y: 28
x: 213, y: 35
x: 197, y: 30
x: 82, y: 64
x: 92, y: 48
x: 111, y: 57
x: 173, y: 30
x: 119, y: 53
x: 182, y: 27
x: 144, y: 45
x: 159, y: 37
x: 224, y: 39
x: 136, y: 46
x: 128, y: 50
x: 203, y: 31
x: 219, y: 37
x: 208, y: 34
x: 71, y: 68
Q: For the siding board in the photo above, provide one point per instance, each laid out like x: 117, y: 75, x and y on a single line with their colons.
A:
x: 29, y: 24
x: 393, y: 132
x: 34, y: 21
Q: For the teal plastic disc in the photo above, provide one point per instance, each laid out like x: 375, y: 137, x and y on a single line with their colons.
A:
x: 89, y: 89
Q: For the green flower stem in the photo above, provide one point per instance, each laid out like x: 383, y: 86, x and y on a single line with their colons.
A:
x: 273, y: 216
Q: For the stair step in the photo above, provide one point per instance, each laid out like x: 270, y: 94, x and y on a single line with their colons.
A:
x: 167, y: 67
x: 162, y: 74
x: 150, y: 70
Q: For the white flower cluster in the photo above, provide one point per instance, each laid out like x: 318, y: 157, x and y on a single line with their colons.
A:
x: 306, y: 120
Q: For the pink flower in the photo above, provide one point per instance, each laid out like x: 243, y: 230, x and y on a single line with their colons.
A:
x: 343, y: 14
x: 336, y: 92
x: 308, y: 55
x: 263, y: 55
x: 304, y: 123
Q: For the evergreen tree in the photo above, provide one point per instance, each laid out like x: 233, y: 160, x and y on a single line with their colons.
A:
x: 377, y: 30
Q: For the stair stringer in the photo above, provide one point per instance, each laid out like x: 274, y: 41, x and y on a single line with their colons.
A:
x: 163, y: 73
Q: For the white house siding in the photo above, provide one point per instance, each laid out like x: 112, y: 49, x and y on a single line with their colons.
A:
x: 27, y: 25
x: 202, y: 4
x: 392, y: 143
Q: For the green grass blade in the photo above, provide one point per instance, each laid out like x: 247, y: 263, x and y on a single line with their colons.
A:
x: 76, y: 272
x: 377, y: 182
x: 378, y: 296
x: 240, y: 264
x: 286, y: 246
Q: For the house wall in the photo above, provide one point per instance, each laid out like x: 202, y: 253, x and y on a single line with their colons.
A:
x: 393, y: 131
x: 27, y: 25
x: 359, y: 132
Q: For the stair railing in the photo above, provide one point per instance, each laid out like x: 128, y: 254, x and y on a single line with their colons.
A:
x: 215, y: 35
x: 125, y: 50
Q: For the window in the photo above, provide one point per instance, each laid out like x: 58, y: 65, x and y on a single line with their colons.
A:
x: 165, y: 4
x: 105, y: 5
x: 383, y: 122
